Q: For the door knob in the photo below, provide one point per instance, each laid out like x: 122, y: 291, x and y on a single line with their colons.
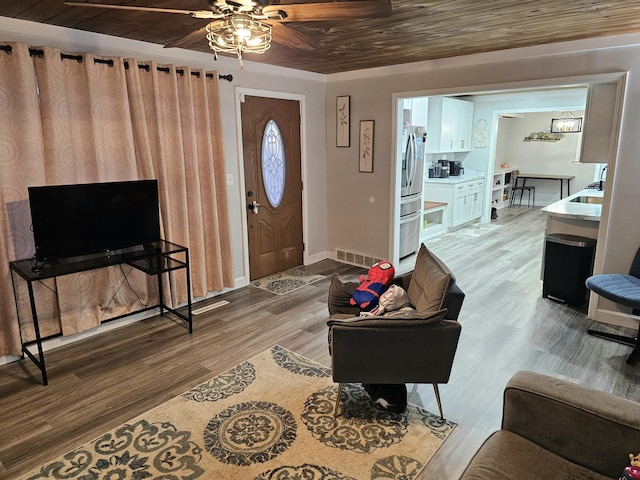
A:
x: 253, y: 206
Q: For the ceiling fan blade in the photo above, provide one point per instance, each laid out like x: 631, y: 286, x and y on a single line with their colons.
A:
x: 312, y: 12
x: 193, y: 13
x: 291, y: 38
x: 199, y: 35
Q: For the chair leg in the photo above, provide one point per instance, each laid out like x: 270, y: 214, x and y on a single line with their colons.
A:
x: 336, y: 408
x: 635, y: 355
x: 437, y: 392
x: 630, y: 341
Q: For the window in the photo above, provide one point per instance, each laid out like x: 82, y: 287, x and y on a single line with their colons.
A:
x: 273, y: 163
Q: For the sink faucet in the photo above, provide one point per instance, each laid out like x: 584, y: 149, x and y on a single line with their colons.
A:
x: 601, y: 182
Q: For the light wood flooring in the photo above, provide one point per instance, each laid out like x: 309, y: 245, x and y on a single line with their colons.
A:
x: 103, y: 381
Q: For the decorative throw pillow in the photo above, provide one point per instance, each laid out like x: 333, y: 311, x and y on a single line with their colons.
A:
x: 340, y: 293
x: 430, y: 283
x: 394, y: 298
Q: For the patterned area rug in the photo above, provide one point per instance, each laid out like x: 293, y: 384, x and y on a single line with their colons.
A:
x: 265, y: 419
x: 287, y: 281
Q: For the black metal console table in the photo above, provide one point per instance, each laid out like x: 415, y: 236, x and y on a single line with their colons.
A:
x: 153, y: 259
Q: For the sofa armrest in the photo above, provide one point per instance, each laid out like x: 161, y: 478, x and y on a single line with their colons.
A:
x: 453, y: 302
x: 591, y: 428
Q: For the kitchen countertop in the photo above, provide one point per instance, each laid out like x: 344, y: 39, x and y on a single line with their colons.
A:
x: 580, y: 211
x: 465, y: 177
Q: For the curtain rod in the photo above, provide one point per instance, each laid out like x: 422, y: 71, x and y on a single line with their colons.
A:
x: 79, y: 58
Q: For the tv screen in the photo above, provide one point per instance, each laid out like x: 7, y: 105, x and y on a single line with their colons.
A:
x: 73, y: 220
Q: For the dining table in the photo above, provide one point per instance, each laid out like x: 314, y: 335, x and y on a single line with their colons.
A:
x: 546, y: 176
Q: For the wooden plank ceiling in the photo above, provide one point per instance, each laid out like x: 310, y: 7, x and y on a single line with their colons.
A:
x: 417, y: 29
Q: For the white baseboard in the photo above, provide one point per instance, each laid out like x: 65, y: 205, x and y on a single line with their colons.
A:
x: 619, y: 319
x: 316, y: 258
x: 56, y: 342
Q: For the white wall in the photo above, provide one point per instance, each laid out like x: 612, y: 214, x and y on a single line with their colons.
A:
x: 542, y: 157
x: 258, y: 77
x: 490, y: 107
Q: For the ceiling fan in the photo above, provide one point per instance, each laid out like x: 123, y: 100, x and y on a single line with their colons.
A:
x: 249, y: 26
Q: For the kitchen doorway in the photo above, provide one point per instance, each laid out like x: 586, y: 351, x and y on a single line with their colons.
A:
x: 482, y: 157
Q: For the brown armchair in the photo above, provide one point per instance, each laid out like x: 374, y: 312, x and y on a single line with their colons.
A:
x: 414, y: 346
x: 556, y: 428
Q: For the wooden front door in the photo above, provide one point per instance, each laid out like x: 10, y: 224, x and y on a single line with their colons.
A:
x: 273, y: 183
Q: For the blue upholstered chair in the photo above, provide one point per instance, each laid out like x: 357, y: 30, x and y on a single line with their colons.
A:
x: 624, y: 290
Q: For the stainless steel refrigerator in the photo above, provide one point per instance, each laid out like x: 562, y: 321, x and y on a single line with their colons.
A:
x: 411, y: 189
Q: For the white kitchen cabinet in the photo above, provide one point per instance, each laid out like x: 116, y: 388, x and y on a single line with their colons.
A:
x: 415, y: 111
x: 601, y: 120
x: 463, y: 113
x: 463, y: 199
x: 449, y: 123
x: 459, y: 202
x: 433, y: 215
x: 467, y: 202
x: 476, y: 199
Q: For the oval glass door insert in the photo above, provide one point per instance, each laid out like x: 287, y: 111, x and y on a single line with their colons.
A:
x: 273, y: 163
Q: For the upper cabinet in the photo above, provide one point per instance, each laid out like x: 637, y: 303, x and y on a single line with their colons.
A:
x: 601, y: 123
x: 449, y: 123
x: 415, y: 111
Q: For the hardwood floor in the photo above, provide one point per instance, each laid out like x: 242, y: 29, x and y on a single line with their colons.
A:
x: 103, y: 381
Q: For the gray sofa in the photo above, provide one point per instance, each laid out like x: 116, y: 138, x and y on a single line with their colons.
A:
x: 556, y: 429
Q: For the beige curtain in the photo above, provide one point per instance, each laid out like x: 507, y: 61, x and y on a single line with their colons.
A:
x: 106, y: 119
x: 21, y: 162
x: 175, y: 115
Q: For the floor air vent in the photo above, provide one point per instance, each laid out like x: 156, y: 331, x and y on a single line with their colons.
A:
x: 355, y: 258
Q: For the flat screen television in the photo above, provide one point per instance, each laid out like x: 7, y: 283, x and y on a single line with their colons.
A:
x: 82, y: 219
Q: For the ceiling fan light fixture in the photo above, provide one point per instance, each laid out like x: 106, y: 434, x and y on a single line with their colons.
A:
x: 239, y: 34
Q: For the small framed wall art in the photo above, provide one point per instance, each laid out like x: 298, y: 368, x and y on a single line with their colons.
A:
x: 343, y: 120
x: 366, y: 146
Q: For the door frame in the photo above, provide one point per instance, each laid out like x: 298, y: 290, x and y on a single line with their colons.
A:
x: 619, y: 78
x: 240, y: 93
